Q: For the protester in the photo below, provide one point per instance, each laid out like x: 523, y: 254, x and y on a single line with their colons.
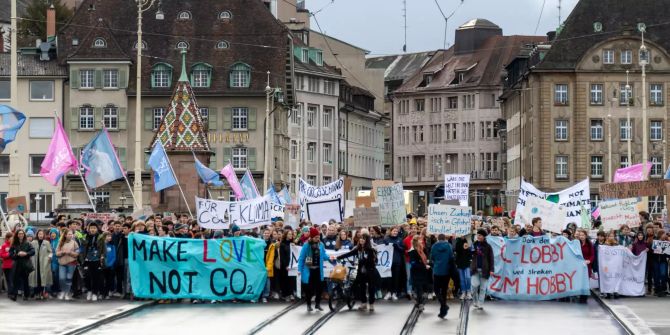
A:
x: 7, y: 262
x: 285, y: 282
x: 419, y: 270
x: 481, y: 268
x: 20, y: 251
x: 54, y: 236
x: 660, y: 266
x: 398, y: 274
x: 108, y: 262
x: 343, y: 242
x: 310, y: 266
x: 367, y: 277
x: 442, y: 257
x: 588, y: 253
x: 40, y: 279
x: 92, y: 256
x: 463, y: 262
x: 67, y: 253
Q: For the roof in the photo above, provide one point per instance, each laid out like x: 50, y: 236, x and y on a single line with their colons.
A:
x: 32, y: 66
x: 399, y: 67
x: 479, y: 23
x: 482, y: 67
x: 6, y: 10
x: 339, y: 40
x: 87, y: 51
x: 578, y: 35
x: 311, y: 66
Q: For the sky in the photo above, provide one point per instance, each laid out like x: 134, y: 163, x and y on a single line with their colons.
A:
x: 377, y: 25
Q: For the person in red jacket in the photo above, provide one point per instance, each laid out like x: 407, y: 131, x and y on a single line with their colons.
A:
x: 7, y: 261
x: 589, y: 253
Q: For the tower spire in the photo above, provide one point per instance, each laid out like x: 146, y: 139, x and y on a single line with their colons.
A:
x: 184, y: 76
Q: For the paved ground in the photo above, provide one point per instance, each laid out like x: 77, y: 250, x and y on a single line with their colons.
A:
x: 646, y: 315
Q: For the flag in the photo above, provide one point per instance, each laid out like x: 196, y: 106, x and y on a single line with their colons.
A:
x: 229, y: 172
x: 100, y: 162
x: 637, y: 172
x: 596, y: 213
x: 285, y: 195
x: 274, y: 197
x: 249, y: 186
x: 667, y: 173
x: 158, y: 161
x: 59, y: 159
x: 586, y: 221
x: 207, y: 175
x: 11, y: 121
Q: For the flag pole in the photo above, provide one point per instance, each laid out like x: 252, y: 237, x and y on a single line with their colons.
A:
x: 125, y: 175
x: 86, y: 186
x: 4, y: 218
x: 206, y: 184
x: 178, y: 184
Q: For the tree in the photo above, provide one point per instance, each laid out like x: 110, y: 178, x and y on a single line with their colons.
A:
x: 34, y: 21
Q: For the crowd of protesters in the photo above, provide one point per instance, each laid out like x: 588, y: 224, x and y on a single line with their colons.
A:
x: 88, y: 259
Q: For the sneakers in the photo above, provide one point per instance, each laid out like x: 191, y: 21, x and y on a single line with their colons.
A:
x: 61, y: 295
x: 275, y: 296
x: 363, y: 307
x: 372, y: 307
x: 94, y: 297
x: 394, y: 297
x: 318, y: 308
x: 68, y: 297
x: 264, y: 300
x: 89, y: 296
x: 468, y: 295
x: 309, y: 308
x: 388, y: 296
x: 462, y: 296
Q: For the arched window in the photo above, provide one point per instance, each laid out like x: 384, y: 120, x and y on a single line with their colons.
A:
x: 161, y: 75
x: 185, y: 15
x: 222, y: 45
x: 201, y: 75
x: 225, y: 15
x: 99, y: 43
x: 144, y: 45
x: 240, y: 75
x: 182, y: 45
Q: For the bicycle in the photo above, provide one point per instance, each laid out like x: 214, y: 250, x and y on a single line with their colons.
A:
x: 344, y: 289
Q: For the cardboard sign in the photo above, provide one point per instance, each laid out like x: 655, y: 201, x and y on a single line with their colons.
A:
x: 391, y: 205
x: 615, y: 213
x: 16, y: 204
x: 366, y: 217
x: 323, y: 211
x: 347, y: 184
x: 634, y: 189
x: 449, y: 220
x: 379, y: 183
x: 456, y: 187
x: 104, y: 217
x: 364, y: 202
x: 552, y: 214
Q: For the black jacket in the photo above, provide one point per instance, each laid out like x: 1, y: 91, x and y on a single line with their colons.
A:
x: 367, y: 262
x: 398, y: 249
x: 418, y: 272
x: 463, y: 256
x: 22, y: 263
x: 284, y: 254
x: 487, y: 259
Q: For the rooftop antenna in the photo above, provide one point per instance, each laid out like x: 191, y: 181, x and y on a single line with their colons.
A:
x: 404, y: 16
x: 559, y: 12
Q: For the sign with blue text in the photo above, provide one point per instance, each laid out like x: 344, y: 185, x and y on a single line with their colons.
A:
x: 247, y: 214
x: 449, y: 220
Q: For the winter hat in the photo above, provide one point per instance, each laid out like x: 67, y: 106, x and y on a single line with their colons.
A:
x: 234, y: 228
x: 180, y: 226
x: 30, y: 233
x: 53, y: 230
x: 217, y: 234
x: 313, y: 232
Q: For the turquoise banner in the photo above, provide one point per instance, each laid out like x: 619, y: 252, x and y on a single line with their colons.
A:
x: 537, y: 268
x: 174, y: 268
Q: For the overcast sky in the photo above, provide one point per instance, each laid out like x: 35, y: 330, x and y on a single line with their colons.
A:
x: 377, y: 25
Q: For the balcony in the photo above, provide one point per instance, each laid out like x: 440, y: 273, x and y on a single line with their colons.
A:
x: 485, y: 175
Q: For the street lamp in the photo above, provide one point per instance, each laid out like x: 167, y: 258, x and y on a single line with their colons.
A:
x: 609, y: 143
x: 629, y: 128
x: 142, y: 6
x: 644, y: 60
x: 270, y: 93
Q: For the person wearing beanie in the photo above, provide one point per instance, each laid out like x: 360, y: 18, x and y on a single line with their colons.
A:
x: 481, y: 268
x: 310, y: 266
x: 181, y: 230
x: 235, y: 230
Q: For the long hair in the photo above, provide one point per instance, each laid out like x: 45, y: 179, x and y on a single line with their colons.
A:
x: 338, y: 242
x: 63, y: 237
x: 587, y: 239
x: 15, y: 238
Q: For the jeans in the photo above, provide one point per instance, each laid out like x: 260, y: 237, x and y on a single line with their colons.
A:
x: 479, y: 285
x: 65, y: 274
x: 266, y: 290
x: 661, y: 275
x: 466, y: 283
x: 409, y: 279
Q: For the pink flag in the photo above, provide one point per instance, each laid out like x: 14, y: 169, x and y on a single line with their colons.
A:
x: 230, y: 175
x: 59, y: 159
x: 632, y: 173
x: 596, y: 213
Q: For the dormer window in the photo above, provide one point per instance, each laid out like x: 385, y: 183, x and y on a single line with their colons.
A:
x: 318, y: 58
x: 305, y: 55
x: 201, y: 75
x: 222, y: 45
x: 99, y: 43
x: 182, y: 45
x: 225, y: 15
x: 144, y: 45
x: 185, y: 15
x: 427, y: 78
x: 461, y: 77
x: 240, y: 75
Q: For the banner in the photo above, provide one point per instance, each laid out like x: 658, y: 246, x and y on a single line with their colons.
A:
x: 571, y: 198
x: 537, y: 268
x: 552, y: 214
x: 615, y: 213
x: 292, y: 215
x: 309, y: 193
x: 175, y: 268
x: 248, y: 214
x: 661, y: 247
x: 104, y: 217
x: 391, y: 205
x: 366, y: 217
x: 620, y: 271
x: 276, y: 210
x: 456, y: 187
x: 634, y: 189
x: 449, y: 220
x: 635, y: 172
x: 16, y: 205
x: 384, y: 260
x: 324, y: 211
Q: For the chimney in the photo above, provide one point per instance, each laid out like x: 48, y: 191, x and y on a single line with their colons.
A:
x: 51, y: 23
x: 551, y: 36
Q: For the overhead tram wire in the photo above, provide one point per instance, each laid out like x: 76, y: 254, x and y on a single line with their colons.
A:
x: 539, y: 17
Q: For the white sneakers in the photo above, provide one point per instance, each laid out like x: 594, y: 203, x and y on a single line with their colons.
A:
x: 462, y: 297
x: 94, y: 297
x: 68, y: 297
x: 61, y: 295
x: 388, y: 296
x: 394, y: 297
x: 89, y: 296
x: 468, y: 295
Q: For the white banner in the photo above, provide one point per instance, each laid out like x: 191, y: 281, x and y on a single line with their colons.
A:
x: 620, y: 271
x: 310, y: 193
x: 214, y: 214
x: 449, y: 220
x: 661, y: 247
x: 456, y: 187
x: 571, y: 198
x: 384, y: 260
x: 551, y: 214
x: 391, y: 205
x: 618, y: 212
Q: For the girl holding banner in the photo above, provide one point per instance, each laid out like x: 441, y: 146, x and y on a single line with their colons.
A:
x: 367, y: 276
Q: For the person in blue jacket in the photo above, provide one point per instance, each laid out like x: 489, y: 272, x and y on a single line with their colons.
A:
x: 310, y: 266
x: 54, y: 236
x: 442, y: 257
x: 107, y: 261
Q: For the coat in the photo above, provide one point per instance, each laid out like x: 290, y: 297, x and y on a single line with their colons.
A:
x: 270, y: 259
x: 21, y: 263
x: 304, y: 268
x: 367, y: 266
x: 285, y: 254
x: 487, y: 259
x: 589, y: 255
x: 7, y: 261
x: 42, y: 264
x: 442, y: 257
x: 398, y: 249
x: 418, y: 273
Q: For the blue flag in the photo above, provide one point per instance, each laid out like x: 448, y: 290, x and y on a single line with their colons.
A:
x: 100, y: 162
x: 249, y: 186
x: 286, y: 197
x: 158, y: 161
x: 207, y: 175
x: 274, y: 197
x: 667, y: 173
x: 11, y: 121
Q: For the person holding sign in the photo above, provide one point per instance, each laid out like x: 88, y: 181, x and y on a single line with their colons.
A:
x: 481, y: 268
x: 310, y: 266
x: 367, y: 276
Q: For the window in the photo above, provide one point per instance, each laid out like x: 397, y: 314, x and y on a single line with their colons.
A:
x: 41, y: 204
x: 182, y: 45
x: 626, y: 56
x: 4, y: 165
x: 296, y: 115
x: 222, y: 45
x: 294, y: 149
x: 5, y: 91
x: 86, y: 118
x: 161, y: 75
x: 623, y: 162
x: 200, y: 75
x: 327, y: 117
x: 452, y: 102
x: 299, y: 82
x: 329, y: 87
x: 625, y: 130
x: 305, y: 55
x: 100, y: 198
x: 239, y: 158
x: 656, y: 130
x: 327, y: 180
x: 656, y: 166
x: 311, y: 116
x: 596, y: 130
x: 204, y: 114
x: 240, y: 118
x: 387, y: 145
x: 240, y: 76
x: 311, y: 151
x: 596, y: 166
x: 656, y: 94
x: 561, y: 127
x: 225, y: 15
x: 36, y: 164
x: 311, y: 179
x: 184, y: 15
x: 561, y: 167
x: 595, y: 200
x: 608, y: 56
x: 327, y: 150
x: 318, y: 58
x: 110, y: 117
x: 313, y: 84
x: 41, y: 127
x: 656, y: 204
x: 626, y: 96
x: 561, y: 94
x: 99, y: 43
x: 596, y: 94
x: 87, y: 78
x: 158, y: 116
x: 110, y: 78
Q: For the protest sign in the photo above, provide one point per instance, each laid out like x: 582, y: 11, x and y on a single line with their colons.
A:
x: 552, y: 214
x: 349, y: 210
x: 366, y: 217
x: 16, y: 204
x: 661, y: 247
x: 449, y: 220
x: 572, y: 198
x: 620, y: 271
x: 384, y: 260
x: 292, y: 214
x: 364, y: 201
x: 456, y: 187
x: 214, y: 214
x: 175, y: 268
x: 537, y: 268
x: 324, y: 211
x: 309, y: 193
x: 615, y: 213
x: 142, y: 214
x: 634, y: 189
x: 104, y: 217
x: 391, y: 205
x: 276, y: 210
x: 377, y: 184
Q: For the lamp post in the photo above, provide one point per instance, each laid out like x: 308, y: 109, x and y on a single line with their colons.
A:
x: 609, y: 143
x: 142, y: 6
x: 629, y: 128
x: 270, y: 93
x: 644, y: 60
